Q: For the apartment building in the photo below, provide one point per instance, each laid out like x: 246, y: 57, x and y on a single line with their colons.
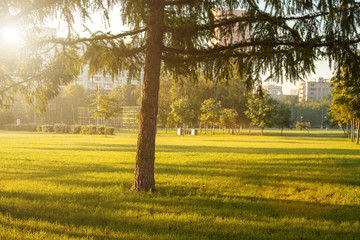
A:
x: 106, y: 81
x: 273, y: 90
x: 315, y: 90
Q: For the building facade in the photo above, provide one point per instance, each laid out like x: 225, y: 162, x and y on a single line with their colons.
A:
x: 274, y: 91
x: 106, y: 81
x: 315, y: 90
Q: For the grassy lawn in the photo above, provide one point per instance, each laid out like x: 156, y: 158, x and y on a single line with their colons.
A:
x: 299, y: 186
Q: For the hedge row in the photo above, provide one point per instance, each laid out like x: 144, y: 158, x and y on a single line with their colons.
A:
x: 76, y: 129
x: 63, y: 128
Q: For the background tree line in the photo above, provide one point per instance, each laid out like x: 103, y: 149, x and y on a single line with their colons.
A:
x: 204, y: 105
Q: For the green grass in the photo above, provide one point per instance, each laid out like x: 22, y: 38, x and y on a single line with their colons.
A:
x: 299, y: 186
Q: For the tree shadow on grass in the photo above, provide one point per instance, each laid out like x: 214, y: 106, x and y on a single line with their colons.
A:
x: 170, y: 214
x: 255, y: 150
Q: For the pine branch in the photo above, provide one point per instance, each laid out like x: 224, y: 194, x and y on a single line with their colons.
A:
x: 265, y: 43
x: 100, y: 37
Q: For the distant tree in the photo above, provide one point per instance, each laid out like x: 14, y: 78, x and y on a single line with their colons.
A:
x: 165, y: 101
x: 303, y: 125
x: 228, y: 118
x: 105, y: 107
x: 314, y: 111
x: 75, y: 96
x: 126, y: 95
x: 282, y: 116
x: 211, y: 111
x: 182, y: 113
x: 260, y: 111
x: 345, y: 106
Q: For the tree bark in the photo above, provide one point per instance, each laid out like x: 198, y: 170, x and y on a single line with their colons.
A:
x: 145, y: 157
x: 262, y: 131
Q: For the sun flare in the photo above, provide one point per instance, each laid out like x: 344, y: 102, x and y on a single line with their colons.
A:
x: 10, y: 36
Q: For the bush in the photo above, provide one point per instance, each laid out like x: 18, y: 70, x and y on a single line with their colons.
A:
x: 75, y: 129
x: 303, y: 125
x: 47, y: 128
x: 100, y: 130
x: 110, y: 130
x: 88, y: 129
x: 61, y: 128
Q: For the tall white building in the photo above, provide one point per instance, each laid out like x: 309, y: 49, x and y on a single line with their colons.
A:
x: 273, y: 91
x: 317, y: 90
x: 105, y: 81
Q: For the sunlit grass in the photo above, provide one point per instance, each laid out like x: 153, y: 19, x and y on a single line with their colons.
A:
x: 299, y: 186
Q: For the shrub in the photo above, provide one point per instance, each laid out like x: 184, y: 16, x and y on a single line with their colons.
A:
x: 75, y: 129
x: 61, y: 128
x: 303, y: 125
x: 88, y: 129
x: 47, y: 128
x: 100, y: 130
x: 110, y: 130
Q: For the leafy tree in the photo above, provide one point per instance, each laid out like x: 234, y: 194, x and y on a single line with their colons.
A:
x: 228, y: 118
x: 182, y: 112
x: 345, y: 107
x: 260, y: 111
x: 303, y: 125
x: 286, y: 38
x: 75, y: 96
x: 314, y: 111
x: 126, y: 95
x: 105, y: 107
x: 165, y: 102
x: 211, y: 112
x: 282, y: 116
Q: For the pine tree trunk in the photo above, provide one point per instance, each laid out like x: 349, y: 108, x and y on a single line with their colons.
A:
x: 145, y: 156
